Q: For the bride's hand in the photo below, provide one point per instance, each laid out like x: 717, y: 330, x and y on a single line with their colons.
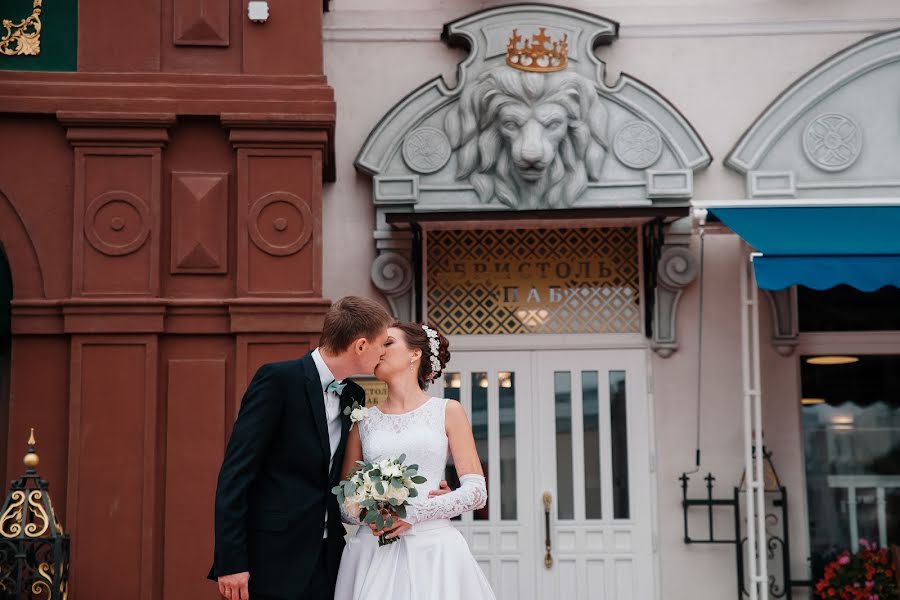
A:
x: 444, y: 489
x: 397, y: 529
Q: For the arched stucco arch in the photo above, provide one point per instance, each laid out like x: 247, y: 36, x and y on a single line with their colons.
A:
x: 21, y: 256
x: 829, y: 135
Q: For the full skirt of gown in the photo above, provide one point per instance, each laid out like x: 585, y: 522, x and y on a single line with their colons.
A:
x: 430, y: 562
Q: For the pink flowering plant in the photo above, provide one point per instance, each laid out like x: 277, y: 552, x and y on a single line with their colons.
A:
x: 864, y: 575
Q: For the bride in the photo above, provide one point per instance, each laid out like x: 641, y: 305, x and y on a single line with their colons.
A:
x: 431, y: 561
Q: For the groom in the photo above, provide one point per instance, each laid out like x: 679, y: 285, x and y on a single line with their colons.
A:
x: 277, y: 526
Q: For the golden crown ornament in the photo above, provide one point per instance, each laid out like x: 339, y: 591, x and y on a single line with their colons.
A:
x: 541, y: 54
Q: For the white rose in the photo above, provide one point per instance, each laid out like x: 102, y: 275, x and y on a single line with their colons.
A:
x: 381, y: 497
x: 393, y: 471
x: 358, y: 414
x: 384, y: 465
x: 400, y: 493
x: 352, y: 508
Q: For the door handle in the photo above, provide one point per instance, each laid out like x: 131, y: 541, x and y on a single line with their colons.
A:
x: 548, y: 556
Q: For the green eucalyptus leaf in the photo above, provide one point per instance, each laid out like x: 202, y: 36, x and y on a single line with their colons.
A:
x: 418, y: 479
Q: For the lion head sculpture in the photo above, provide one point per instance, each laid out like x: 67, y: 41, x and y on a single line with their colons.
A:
x: 531, y: 140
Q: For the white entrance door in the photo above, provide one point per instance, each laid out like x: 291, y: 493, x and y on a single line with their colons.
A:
x: 568, y: 428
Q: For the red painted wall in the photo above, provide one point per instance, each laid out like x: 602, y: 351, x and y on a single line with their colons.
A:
x: 161, y: 214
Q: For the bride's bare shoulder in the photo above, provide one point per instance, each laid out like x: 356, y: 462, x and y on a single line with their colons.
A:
x: 454, y: 413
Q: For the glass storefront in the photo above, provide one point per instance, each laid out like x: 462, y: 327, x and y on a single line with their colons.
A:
x: 851, y: 427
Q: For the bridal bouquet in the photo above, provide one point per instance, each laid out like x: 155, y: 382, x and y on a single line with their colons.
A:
x: 377, y: 491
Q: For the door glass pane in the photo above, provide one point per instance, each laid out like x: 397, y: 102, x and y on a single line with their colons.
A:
x: 562, y: 388
x: 619, y: 432
x: 507, y: 384
x: 451, y: 390
x: 480, y: 430
x: 591, y: 407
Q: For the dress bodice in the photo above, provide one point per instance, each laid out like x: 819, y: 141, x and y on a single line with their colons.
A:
x: 420, y: 434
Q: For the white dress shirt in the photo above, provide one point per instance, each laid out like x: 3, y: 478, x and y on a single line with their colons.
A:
x: 332, y: 411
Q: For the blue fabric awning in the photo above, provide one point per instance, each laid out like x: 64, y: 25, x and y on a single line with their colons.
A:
x: 819, y: 246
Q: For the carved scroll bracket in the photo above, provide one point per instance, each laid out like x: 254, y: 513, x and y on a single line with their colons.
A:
x: 785, y: 330
x: 392, y: 271
x: 677, y: 268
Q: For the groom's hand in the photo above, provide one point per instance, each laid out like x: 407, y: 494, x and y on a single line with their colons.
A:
x: 234, y: 587
x: 443, y: 489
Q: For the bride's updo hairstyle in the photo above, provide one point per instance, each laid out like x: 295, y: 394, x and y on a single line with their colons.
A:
x: 435, y: 356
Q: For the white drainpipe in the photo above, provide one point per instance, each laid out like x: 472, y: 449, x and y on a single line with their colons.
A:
x: 753, y: 465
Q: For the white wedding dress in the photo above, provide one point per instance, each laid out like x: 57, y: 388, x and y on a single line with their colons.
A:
x: 432, y: 560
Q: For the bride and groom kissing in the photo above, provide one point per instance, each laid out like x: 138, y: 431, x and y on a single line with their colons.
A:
x: 279, y: 529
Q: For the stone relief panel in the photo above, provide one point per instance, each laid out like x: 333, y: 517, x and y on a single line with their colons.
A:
x: 529, y: 140
x: 532, y: 123
x: 426, y: 150
x: 638, y: 145
x: 832, y: 142
x: 831, y: 134
x: 199, y: 223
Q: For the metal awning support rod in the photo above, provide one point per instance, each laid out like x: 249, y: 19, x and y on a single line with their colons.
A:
x: 752, y: 405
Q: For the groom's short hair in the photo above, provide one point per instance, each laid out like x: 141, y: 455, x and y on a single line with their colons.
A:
x: 351, y: 318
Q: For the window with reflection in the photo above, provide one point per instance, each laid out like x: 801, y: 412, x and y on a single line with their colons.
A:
x: 618, y: 425
x: 562, y: 388
x: 851, y: 431
x: 452, y: 384
x: 506, y: 382
x: 590, y: 400
x: 480, y: 384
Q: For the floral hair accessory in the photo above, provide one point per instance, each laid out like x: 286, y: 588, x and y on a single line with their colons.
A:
x: 434, y: 345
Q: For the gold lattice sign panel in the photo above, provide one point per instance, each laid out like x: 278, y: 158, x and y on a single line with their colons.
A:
x: 534, y: 281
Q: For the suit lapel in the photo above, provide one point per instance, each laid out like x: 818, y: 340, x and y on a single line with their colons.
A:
x: 352, y: 393
x: 316, y: 401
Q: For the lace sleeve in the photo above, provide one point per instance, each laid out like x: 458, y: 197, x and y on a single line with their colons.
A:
x: 471, y: 495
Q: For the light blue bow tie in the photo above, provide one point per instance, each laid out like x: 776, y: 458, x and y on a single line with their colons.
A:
x: 335, y: 386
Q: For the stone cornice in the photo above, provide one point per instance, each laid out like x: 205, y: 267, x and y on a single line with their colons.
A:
x: 168, y: 316
x: 91, y: 128
x: 283, y: 130
x: 182, y: 94
x: 281, y: 104
x: 432, y: 32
